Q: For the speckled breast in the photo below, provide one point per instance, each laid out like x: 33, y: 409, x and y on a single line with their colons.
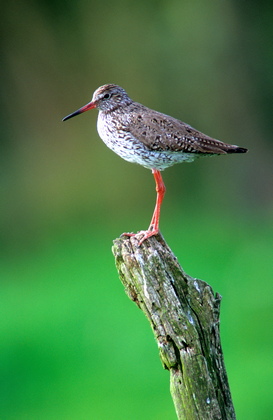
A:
x: 119, y: 139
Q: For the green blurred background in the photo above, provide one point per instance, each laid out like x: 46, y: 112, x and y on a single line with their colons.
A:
x: 72, y: 344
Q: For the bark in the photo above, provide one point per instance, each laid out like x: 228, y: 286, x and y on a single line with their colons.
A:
x: 184, y: 315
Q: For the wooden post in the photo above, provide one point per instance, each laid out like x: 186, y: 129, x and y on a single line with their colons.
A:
x: 184, y: 315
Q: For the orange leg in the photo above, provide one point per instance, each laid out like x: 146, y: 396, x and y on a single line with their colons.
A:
x: 154, y: 225
x: 160, y: 190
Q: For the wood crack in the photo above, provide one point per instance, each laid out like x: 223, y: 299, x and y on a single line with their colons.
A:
x: 184, y: 315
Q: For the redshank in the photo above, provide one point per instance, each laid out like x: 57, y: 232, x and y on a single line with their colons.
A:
x: 154, y: 140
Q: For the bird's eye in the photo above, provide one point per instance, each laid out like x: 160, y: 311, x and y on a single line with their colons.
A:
x: 107, y: 96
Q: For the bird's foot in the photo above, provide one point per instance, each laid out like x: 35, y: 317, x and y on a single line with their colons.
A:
x: 146, y: 234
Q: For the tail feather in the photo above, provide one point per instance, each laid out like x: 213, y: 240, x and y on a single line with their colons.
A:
x: 217, y: 147
x: 236, y: 149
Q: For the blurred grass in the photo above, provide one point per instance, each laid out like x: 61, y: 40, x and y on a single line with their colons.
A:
x: 68, y: 347
x: 73, y: 346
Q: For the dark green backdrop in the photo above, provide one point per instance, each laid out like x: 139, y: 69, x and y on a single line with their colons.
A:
x: 72, y: 346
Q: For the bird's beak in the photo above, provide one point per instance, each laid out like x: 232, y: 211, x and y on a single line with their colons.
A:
x: 84, y: 108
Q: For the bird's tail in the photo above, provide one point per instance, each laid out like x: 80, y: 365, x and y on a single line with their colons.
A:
x: 235, y: 149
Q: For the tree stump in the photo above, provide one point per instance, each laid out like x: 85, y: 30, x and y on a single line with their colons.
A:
x: 184, y: 315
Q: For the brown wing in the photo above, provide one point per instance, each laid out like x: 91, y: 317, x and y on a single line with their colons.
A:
x: 164, y: 133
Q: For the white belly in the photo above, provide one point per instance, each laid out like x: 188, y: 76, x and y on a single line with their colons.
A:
x: 129, y: 148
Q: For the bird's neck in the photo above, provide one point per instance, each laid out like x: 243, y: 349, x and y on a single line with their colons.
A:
x: 117, y: 109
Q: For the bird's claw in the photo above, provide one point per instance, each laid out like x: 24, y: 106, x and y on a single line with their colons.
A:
x: 146, y: 234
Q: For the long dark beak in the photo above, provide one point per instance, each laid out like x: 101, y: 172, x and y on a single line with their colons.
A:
x: 90, y: 105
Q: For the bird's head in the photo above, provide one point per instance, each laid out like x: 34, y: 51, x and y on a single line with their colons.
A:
x: 106, y: 98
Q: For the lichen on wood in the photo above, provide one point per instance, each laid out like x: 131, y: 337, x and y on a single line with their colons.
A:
x: 184, y: 315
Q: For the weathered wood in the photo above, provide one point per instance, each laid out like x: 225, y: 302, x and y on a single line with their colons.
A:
x: 184, y: 316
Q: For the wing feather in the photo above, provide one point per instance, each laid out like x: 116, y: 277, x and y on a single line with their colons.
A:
x: 161, y: 132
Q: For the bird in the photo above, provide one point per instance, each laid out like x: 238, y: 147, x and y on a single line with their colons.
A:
x: 154, y: 140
